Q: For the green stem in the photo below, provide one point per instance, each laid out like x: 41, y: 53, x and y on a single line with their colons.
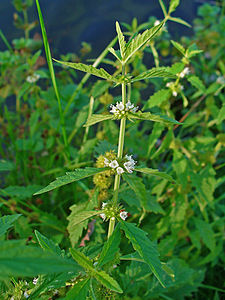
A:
x: 111, y: 226
x: 119, y: 155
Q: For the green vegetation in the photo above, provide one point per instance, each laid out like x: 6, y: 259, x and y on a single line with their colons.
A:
x: 112, y: 184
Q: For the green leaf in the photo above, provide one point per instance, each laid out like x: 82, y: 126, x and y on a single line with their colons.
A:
x: 221, y: 115
x: 140, y: 40
x: 89, y: 69
x: 180, y: 21
x: 111, y: 247
x: 138, y: 187
x: 19, y: 260
x: 47, y: 244
x: 77, y: 218
x: 145, y: 248
x: 179, y: 47
x: 173, y: 5
x: 176, y: 68
x: 101, y: 276
x: 116, y: 53
x: 97, y: 118
x: 121, y: 40
x: 158, y: 98
x: 6, y: 165
x: 155, y: 172
x: 153, y: 73
x: 206, y: 234
x: 163, y: 7
x: 6, y: 222
x: 196, y: 82
x: 76, y: 175
x: 147, y: 116
x: 21, y: 192
x: 79, y: 290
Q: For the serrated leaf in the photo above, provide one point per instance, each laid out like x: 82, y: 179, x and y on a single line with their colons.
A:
x: 90, y: 69
x: 178, y: 46
x: 97, y: 118
x: 101, y: 276
x: 158, y: 98
x: 76, y: 175
x: 176, y: 68
x: 146, y: 249
x: 110, y: 248
x: 79, y: 290
x: 6, y: 222
x: 196, y: 82
x: 138, y: 187
x: 99, y: 88
x: 19, y: 260
x: 155, y: 172
x: 180, y: 21
x: 76, y: 219
x: 140, y: 40
x: 121, y: 40
x: 47, y: 244
x: 173, y: 5
x: 147, y: 116
x: 153, y: 73
x: 206, y: 234
x: 116, y: 53
x: 6, y: 165
x: 21, y: 192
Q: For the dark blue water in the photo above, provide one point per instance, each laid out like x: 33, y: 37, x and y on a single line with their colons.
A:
x: 69, y: 22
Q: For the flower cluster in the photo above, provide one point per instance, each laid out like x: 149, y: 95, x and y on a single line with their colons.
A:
x: 174, y: 88
x: 33, y: 78
x: 120, y: 110
x: 111, y: 212
x: 184, y: 72
x: 127, y: 164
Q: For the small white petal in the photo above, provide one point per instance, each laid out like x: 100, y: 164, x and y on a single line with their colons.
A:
x: 35, y: 280
x: 123, y: 215
x: 120, y: 170
x: 26, y: 295
x: 174, y: 93
x: 120, y: 106
x: 169, y: 84
x: 157, y: 22
x: 114, y: 164
x: 104, y: 204
x: 103, y: 216
x: 106, y: 162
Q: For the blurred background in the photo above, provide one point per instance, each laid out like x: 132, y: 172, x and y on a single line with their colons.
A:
x: 71, y: 22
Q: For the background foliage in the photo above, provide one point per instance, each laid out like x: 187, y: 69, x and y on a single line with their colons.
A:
x: 185, y: 219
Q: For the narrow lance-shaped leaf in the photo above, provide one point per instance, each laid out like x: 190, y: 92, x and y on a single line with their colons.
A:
x: 79, y: 290
x: 153, y: 73
x: 89, y: 69
x: 179, y: 47
x: 6, y: 222
x: 19, y: 260
x: 101, y: 276
x: 111, y: 247
x: 138, y: 187
x: 76, y: 219
x: 155, y: 172
x: 97, y: 118
x: 152, y: 117
x: 76, y: 175
x: 173, y: 5
x: 146, y: 249
x: 140, y: 40
x: 180, y: 21
x: 47, y: 244
x: 121, y: 39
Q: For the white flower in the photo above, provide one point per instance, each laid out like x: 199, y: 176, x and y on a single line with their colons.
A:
x: 33, y: 78
x: 104, y: 205
x: 129, y: 105
x: 26, y: 295
x: 119, y: 170
x: 114, y: 164
x: 174, y: 93
x: 103, y: 216
x: 157, y: 22
x: 123, y: 215
x: 181, y: 87
x: 113, y: 109
x: 35, y: 280
x: 106, y: 162
x: 129, y: 166
x: 169, y: 84
x: 184, y: 72
x: 120, y: 106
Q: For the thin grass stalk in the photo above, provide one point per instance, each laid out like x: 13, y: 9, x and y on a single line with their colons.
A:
x: 52, y: 73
